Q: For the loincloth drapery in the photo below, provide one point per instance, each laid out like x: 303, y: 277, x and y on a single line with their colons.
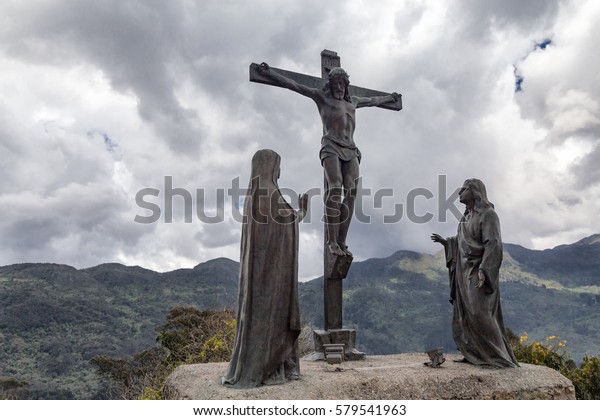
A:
x: 333, y: 147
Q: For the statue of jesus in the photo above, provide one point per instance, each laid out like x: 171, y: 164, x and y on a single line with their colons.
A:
x: 339, y: 155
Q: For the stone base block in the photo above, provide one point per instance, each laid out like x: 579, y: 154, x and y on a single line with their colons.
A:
x: 344, y: 336
x: 337, y: 266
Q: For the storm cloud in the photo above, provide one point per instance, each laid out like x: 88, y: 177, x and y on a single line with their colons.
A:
x: 101, y: 100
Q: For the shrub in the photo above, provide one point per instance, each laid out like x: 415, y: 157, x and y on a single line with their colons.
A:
x: 188, y: 336
x: 194, y: 336
x: 587, y: 379
x: 550, y: 353
x: 553, y: 354
x: 13, y: 389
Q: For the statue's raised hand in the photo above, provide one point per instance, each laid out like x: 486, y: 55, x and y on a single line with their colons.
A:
x: 303, y: 205
x: 396, y: 96
x: 437, y: 238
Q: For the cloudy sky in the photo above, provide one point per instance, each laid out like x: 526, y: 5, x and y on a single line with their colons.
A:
x: 101, y: 100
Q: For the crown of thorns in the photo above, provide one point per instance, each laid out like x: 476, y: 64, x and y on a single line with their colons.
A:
x: 338, y: 72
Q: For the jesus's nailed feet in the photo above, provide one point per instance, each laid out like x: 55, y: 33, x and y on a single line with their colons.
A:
x: 346, y: 250
x: 335, y: 249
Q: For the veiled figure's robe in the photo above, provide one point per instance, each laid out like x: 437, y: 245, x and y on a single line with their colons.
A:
x: 477, y: 325
x: 268, y: 315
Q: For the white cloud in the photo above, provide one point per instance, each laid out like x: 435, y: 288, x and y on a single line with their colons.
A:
x: 103, y: 99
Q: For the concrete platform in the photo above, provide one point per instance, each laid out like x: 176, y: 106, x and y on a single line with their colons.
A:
x: 393, y: 377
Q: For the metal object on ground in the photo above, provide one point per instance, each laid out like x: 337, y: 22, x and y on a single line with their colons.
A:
x: 437, y: 357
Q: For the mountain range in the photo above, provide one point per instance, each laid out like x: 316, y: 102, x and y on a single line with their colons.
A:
x: 55, y: 318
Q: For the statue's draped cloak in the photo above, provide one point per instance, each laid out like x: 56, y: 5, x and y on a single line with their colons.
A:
x: 268, y: 315
x: 477, y: 325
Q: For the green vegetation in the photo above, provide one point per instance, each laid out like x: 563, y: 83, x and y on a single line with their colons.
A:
x: 553, y: 354
x: 586, y: 378
x: 13, y: 389
x: 571, y: 265
x: 54, y: 318
x: 188, y: 336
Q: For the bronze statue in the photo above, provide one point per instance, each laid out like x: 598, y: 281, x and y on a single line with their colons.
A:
x: 268, y: 314
x: 473, y: 258
x: 339, y: 155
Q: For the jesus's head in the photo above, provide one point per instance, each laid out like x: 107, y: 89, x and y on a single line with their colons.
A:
x: 338, y: 83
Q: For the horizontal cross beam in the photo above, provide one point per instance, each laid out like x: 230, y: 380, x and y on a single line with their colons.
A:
x: 318, y: 83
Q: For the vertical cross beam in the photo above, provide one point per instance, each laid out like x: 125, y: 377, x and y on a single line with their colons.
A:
x: 332, y: 284
x: 329, y: 60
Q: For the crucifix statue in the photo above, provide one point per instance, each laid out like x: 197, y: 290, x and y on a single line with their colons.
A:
x: 337, y: 102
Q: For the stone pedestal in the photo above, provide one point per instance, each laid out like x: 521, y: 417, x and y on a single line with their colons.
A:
x: 344, y: 336
x: 393, y: 377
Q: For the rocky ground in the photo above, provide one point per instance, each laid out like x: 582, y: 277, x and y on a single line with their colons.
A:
x: 393, y: 377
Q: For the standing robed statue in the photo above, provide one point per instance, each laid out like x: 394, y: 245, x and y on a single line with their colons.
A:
x: 473, y: 258
x: 268, y: 313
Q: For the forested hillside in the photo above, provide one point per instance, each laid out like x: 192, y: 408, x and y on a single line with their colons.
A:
x: 55, y: 318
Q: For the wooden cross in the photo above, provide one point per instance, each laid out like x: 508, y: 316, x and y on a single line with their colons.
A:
x: 335, y: 267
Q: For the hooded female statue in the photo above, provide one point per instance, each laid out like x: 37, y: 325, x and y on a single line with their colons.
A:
x: 473, y: 258
x: 268, y: 315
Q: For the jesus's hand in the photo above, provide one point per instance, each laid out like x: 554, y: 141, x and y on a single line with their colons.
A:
x: 264, y: 69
